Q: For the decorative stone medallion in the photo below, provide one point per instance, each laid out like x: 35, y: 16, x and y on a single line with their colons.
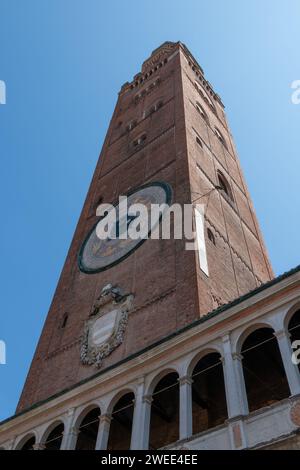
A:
x: 105, y: 328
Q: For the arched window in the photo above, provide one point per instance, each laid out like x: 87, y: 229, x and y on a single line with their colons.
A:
x: 208, y: 393
x: 224, y: 185
x: 28, y: 443
x: 199, y: 141
x: 204, y: 95
x: 88, y: 430
x: 54, y: 439
x: 131, y: 125
x: 164, y: 422
x: 221, y: 137
x: 211, y: 236
x: 155, y: 107
x: 64, y: 320
x: 201, y: 111
x: 140, y: 140
x: 121, y: 423
x: 294, y: 330
x: 264, y: 373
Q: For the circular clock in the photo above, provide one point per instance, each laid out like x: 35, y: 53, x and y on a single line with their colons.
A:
x: 98, y: 254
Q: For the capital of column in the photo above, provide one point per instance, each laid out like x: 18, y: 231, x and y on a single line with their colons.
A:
x: 185, y: 380
x: 39, y: 446
x: 282, y: 334
x: 237, y: 356
x: 73, y: 431
x: 147, y: 399
x: 105, y: 418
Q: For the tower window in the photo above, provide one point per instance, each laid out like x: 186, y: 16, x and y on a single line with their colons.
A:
x: 153, y: 108
x: 199, y: 142
x: 139, y: 140
x: 202, y: 112
x: 64, y: 320
x: 220, y: 137
x: 204, y: 95
x: 131, y: 125
x: 211, y: 236
x: 224, y: 186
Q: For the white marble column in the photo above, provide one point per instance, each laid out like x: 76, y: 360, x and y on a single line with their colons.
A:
x: 185, y: 407
x: 144, y: 421
x: 70, y: 433
x: 236, y: 396
x: 291, y: 370
x: 103, y: 432
x: 138, y: 421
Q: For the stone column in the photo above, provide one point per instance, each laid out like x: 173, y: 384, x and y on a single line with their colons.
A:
x: 70, y: 433
x: 291, y: 370
x: 185, y: 407
x: 138, y: 421
x: 236, y: 396
x: 103, y: 432
x: 144, y: 421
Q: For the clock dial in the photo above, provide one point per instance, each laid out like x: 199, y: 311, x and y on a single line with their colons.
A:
x: 99, y: 254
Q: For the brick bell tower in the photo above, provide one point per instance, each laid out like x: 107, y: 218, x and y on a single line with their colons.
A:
x: 168, y: 140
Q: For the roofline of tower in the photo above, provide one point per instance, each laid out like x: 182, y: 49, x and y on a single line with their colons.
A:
x: 191, y: 325
x: 164, y: 48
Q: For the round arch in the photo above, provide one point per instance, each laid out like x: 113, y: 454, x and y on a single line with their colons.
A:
x: 158, y: 377
x: 87, y: 425
x: 263, y: 370
x: 52, y: 437
x: 30, y: 437
x: 199, y: 355
x: 121, y: 412
x: 117, y: 396
x: 248, y: 330
x: 290, y: 313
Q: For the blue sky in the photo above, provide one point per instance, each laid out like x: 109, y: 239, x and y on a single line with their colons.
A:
x: 63, y: 62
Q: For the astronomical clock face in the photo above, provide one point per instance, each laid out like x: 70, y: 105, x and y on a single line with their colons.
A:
x: 97, y: 254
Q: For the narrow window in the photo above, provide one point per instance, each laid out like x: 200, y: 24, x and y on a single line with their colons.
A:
x: 131, y: 125
x: 224, y: 186
x: 221, y: 137
x: 211, y: 236
x: 139, y: 140
x: 199, y: 142
x: 202, y: 112
x: 64, y: 320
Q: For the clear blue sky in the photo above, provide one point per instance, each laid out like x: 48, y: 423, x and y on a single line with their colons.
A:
x: 63, y: 62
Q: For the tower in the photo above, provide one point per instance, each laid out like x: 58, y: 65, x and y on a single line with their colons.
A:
x: 168, y: 127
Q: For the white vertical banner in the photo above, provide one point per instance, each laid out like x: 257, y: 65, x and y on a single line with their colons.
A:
x: 200, y: 238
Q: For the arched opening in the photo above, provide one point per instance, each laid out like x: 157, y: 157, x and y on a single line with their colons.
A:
x: 201, y: 111
x: 64, y: 320
x: 121, y: 423
x: 208, y: 393
x: 224, y: 185
x: 164, y: 421
x: 264, y: 373
x: 88, y: 430
x: 28, y: 443
x: 54, y: 439
x: 221, y: 137
x: 211, y: 236
x: 294, y: 330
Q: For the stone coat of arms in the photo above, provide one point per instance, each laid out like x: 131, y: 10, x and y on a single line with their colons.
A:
x: 105, y: 328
